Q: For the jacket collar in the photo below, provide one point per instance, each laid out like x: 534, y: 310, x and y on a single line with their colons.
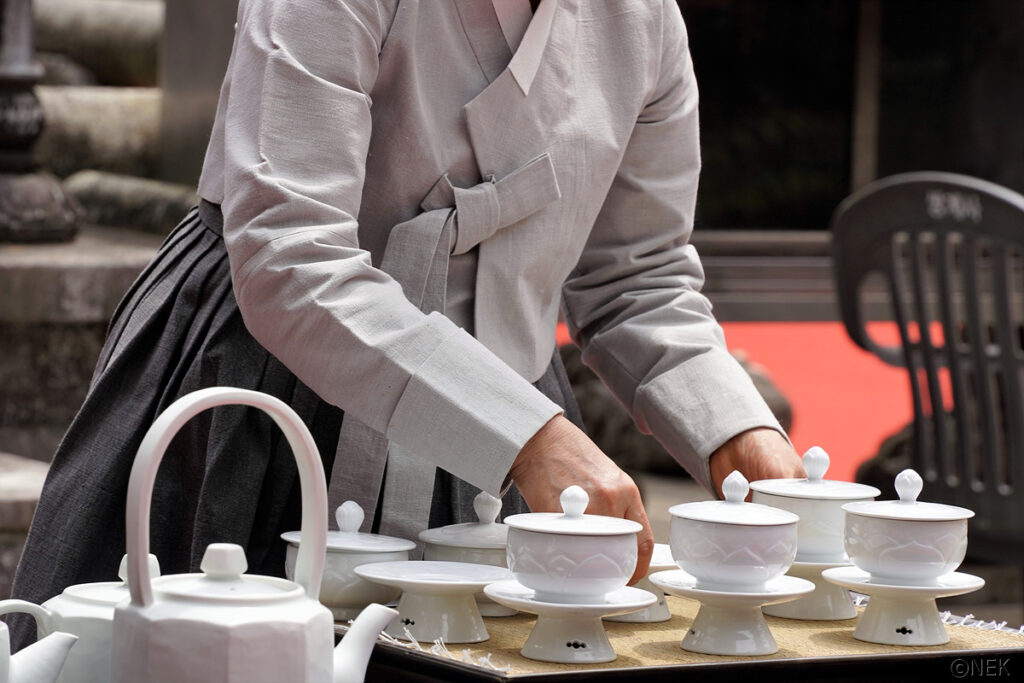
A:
x: 527, y: 58
x: 480, y: 22
x: 510, y: 120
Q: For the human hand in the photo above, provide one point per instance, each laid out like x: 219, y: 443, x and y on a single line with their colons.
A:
x: 760, y: 453
x: 560, y: 455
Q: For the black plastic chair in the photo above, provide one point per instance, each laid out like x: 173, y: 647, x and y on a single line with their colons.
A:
x: 943, y: 255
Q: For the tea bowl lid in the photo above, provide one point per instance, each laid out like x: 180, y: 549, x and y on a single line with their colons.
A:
x: 908, y: 487
x: 733, y: 510
x: 486, y: 532
x: 348, y: 538
x: 571, y: 520
x: 816, y: 462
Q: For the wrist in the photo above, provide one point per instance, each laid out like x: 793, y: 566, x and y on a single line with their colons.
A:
x: 550, y: 432
x: 759, y: 453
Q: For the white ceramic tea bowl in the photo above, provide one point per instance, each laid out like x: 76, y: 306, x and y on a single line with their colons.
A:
x: 571, y: 558
x: 731, y: 545
x: 343, y: 591
x: 818, y: 502
x: 905, y: 542
x: 482, y: 542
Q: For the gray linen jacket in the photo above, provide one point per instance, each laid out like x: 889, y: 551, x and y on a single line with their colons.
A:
x: 339, y: 119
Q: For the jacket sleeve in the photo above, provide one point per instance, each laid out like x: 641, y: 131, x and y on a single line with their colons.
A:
x: 296, y: 132
x: 633, y: 304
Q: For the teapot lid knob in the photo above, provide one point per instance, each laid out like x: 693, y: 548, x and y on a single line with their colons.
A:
x: 816, y: 462
x: 909, y: 485
x: 574, y: 502
x: 154, y: 567
x: 486, y: 507
x: 349, y: 516
x: 735, y: 487
x: 224, y: 561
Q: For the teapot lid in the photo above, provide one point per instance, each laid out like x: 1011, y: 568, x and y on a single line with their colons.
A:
x: 816, y: 462
x: 348, y: 538
x: 485, y: 533
x: 908, y: 486
x: 572, y: 520
x: 733, y: 510
x: 224, y: 579
x: 107, y: 593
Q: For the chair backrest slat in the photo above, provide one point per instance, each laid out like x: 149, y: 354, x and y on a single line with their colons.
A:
x: 951, y: 250
x: 948, y: 260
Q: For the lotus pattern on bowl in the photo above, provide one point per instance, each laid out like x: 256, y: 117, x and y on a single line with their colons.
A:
x: 816, y: 527
x: 706, y: 551
x: 573, y: 568
x: 903, y: 550
x: 731, y: 556
x: 343, y: 591
x: 549, y: 561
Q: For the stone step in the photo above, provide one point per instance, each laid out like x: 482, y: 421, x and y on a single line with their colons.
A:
x: 116, y: 40
x: 122, y: 201
x: 21, y: 481
x: 99, y: 128
x: 58, y: 299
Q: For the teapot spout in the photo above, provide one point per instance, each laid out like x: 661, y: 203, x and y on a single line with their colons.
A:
x: 40, y: 662
x: 353, y: 652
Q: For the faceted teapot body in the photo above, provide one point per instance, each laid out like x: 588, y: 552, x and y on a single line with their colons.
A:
x: 223, y: 626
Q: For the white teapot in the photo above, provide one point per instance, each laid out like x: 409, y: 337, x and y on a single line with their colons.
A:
x: 40, y: 662
x: 85, y: 610
x: 224, y: 626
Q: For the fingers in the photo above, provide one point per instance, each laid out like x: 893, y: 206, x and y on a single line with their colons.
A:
x: 644, y: 543
x: 622, y: 499
x: 561, y: 455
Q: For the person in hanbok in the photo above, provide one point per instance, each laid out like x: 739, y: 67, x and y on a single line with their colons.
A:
x: 400, y: 199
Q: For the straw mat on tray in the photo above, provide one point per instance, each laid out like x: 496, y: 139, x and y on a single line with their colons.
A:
x: 659, y: 644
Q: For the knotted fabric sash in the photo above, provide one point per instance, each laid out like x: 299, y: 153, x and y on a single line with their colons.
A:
x: 454, y: 220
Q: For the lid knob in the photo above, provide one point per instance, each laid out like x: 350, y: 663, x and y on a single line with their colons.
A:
x: 349, y: 516
x: 574, y: 501
x: 487, y: 507
x: 735, y: 487
x: 154, y: 567
x: 816, y: 462
x: 224, y: 562
x: 908, y: 486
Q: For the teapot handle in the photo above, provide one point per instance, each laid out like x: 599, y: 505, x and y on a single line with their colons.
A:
x: 43, y: 617
x: 309, y: 562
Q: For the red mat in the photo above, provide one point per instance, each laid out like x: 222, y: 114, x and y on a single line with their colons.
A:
x: 844, y: 399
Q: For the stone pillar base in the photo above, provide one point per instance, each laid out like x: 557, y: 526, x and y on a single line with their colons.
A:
x: 34, y: 208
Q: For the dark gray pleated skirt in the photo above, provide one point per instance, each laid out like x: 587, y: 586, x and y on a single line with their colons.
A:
x: 229, y: 475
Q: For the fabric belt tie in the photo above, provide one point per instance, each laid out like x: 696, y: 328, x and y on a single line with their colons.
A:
x: 454, y: 220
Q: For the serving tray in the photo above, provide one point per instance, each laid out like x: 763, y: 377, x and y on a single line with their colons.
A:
x: 808, y: 651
